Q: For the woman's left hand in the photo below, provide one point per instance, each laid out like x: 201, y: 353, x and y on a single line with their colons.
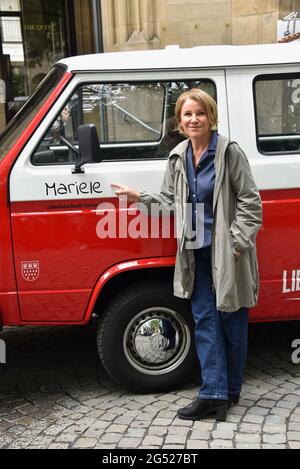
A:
x: 236, y: 253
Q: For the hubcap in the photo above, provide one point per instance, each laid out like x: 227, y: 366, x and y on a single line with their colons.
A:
x: 156, y: 341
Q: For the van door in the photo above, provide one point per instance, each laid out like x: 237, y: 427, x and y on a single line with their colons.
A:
x: 65, y: 226
x: 264, y: 108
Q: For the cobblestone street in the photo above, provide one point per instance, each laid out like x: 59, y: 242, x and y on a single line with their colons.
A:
x: 54, y: 393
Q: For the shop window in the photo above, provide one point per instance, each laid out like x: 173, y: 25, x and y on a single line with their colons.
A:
x: 34, y: 35
x: 133, y: 121
x: 277, y: 108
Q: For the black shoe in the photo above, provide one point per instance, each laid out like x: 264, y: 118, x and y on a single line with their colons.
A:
x: 200, y: 408
x: 233, y: 399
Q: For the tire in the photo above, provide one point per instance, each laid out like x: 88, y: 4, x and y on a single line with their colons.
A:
x: 145, y: 339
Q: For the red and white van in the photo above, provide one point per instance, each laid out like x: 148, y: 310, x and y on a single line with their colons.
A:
x: 56, y: 268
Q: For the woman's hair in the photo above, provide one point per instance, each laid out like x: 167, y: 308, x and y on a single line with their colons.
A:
x: 203, y: 98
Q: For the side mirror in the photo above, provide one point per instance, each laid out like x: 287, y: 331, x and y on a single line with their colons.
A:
x: 89, y: 147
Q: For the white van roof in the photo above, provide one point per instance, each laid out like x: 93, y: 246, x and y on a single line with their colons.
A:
x: 174, y: 57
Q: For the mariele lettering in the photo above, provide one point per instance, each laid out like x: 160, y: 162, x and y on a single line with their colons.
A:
x: 74, y: 188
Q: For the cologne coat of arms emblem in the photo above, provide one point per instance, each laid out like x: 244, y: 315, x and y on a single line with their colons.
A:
x: 30, y: 270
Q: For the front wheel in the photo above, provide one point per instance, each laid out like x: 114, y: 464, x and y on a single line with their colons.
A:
x: 145, y: 339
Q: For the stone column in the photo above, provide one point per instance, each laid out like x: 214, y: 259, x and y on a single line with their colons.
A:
x: 129, y: 24
x: 134, y: 17
x: 150, y: 20
x: 84, y: 27
x: 122, y: 21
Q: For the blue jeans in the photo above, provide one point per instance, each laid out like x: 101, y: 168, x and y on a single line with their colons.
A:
x: 221, y: 338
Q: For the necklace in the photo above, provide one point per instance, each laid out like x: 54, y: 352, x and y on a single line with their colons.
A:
x: 197, y: 159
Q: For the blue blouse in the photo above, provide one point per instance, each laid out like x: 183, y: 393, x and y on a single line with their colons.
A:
x: 201, y: 188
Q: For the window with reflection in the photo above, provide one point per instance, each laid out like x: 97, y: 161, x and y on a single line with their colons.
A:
x: 134, y: 120
x: 277, y: 108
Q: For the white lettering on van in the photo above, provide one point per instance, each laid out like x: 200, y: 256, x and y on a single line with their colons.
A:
x: 2, y: 92
x: 291, y: 282
x: 296, y: 93
x: 2, y: 351
x: 75, y: 188
x: 296, y: 354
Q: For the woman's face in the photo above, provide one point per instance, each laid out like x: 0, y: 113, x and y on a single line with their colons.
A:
x: 194, y: 120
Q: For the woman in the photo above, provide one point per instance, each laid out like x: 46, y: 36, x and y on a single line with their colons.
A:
x: 220, y: 275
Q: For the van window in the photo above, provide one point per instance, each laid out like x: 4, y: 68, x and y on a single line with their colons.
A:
x: 133, y: 120
x: 277, y: 107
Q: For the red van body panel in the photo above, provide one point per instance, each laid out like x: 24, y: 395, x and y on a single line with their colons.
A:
x: 9, y: 306
x: 71, y: 258
x: 68, y: 237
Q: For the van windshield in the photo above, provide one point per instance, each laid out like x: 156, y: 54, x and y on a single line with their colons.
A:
x: 22, y: 119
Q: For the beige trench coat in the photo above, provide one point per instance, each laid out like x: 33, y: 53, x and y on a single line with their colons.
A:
x: 237, y: 220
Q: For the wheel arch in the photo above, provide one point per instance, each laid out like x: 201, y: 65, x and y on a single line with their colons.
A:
x: 121, y: 275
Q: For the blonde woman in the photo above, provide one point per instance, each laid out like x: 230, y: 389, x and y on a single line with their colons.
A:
x: 218, y: 271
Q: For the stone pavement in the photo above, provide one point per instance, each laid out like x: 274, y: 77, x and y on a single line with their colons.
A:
x: 54, y: 393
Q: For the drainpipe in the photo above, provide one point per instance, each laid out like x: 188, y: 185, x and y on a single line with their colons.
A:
x: 97, y: 21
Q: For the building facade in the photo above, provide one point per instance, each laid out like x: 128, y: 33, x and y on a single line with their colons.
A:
x: 152, y: 24
x: 34, y: 34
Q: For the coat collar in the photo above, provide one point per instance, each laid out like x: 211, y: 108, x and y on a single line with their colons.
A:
x: 222, y: 145
x: 180, y: 151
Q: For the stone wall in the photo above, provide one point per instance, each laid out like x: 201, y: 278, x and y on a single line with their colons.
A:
x: 152, y: 24
x: 254, y: 22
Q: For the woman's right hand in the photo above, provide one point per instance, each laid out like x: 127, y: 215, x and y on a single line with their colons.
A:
x: 132, y: 196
